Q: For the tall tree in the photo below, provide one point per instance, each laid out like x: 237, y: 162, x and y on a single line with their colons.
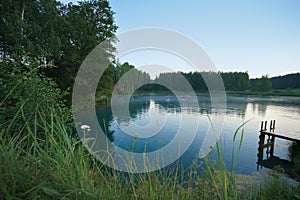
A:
x: 262, y: 84
x: 54, y: 34
x: 128, y: 78
x: 30, y: 28
x: 88, y: 24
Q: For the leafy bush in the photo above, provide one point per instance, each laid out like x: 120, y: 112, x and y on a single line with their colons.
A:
x: 25, y: 91
x: 294, y: 150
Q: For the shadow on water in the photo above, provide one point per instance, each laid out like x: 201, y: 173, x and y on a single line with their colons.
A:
x: 267, y: 159
x: 105, y: 117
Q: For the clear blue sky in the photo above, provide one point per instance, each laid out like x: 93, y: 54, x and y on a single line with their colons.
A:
x: 262, y: 37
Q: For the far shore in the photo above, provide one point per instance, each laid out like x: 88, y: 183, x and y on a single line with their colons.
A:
x: 279, y: 92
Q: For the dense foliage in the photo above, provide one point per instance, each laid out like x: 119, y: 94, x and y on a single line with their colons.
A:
x: 27, y: 98
x: 233, y: 81
x: 128, y: 78
x: 113, y: 79
x: 261, y: 84
x: 59, y: 37
x: 289, y: 81
x: 42, y: 44
x: 55, y: 35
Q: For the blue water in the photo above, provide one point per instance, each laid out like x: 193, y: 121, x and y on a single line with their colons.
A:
x: 168, y: 115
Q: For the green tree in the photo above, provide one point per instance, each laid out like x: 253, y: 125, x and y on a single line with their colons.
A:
x: 121, y: 69
x: 31, y: 28
x: 54, y: 34
x: 235, y: 81
x: 128, y: 78
x: 105, y: 85
x: 88, y: 24
x: 286, y: 82
x: 262, y: 84
x: 27, y: 98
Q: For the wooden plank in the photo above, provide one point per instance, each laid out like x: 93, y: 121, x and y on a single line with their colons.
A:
x: 282, y: 136
x: 267, y: 145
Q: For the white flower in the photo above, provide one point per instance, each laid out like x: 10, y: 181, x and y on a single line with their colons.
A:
x: 85, y: 127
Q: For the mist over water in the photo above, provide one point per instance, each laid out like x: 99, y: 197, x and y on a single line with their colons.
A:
x: 164, y: 113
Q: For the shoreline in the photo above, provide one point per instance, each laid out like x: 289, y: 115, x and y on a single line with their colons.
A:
x: 281, y: 92
x: 285, y: 92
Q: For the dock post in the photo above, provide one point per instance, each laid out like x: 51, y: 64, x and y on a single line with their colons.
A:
x: 261, y: 142
x: 272, y: 140
x: 268, y: 146
x: 272, y: 126
x: 260, y: 154
x: 262, y: 134
x: 261, y: 139
x: 272, y: 146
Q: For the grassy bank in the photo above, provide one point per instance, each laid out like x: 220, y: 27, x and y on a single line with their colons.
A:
x: 48, y: 163
x: 41, y: 157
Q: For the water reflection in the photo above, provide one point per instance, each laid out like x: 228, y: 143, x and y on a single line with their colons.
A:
x: 267, y: 143
x: 105, y: 117
x: 267, y: 159
x: 166, y: 110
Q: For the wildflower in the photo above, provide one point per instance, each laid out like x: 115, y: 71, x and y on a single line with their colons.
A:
x: 85, y: 127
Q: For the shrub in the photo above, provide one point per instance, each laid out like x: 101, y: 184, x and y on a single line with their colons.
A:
x: 25, y: 91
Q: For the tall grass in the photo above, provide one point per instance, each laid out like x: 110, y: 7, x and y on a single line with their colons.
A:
x: 43, y: 166
x: 223, y: 180
x: 45, y: 162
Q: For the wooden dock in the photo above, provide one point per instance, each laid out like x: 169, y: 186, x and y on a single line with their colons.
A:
x: 272, y: 135
x: 270, y: 144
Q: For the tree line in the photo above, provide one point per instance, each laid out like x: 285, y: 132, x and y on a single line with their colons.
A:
x: 289, y: 81
x: 233, y: 81
x: 56, y: 38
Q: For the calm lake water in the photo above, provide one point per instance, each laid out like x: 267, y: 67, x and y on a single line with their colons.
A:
x: 167, y: 112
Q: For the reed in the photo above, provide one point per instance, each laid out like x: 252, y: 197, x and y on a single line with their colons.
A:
x: 42, y: 160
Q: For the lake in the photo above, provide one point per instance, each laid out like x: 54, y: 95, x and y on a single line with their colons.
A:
x: 167, y: 114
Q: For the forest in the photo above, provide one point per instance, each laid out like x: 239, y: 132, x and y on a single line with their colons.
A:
x: 233, y: 81
x: 289, y: 81
x: 55, y: 38
x: 42, y: 46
